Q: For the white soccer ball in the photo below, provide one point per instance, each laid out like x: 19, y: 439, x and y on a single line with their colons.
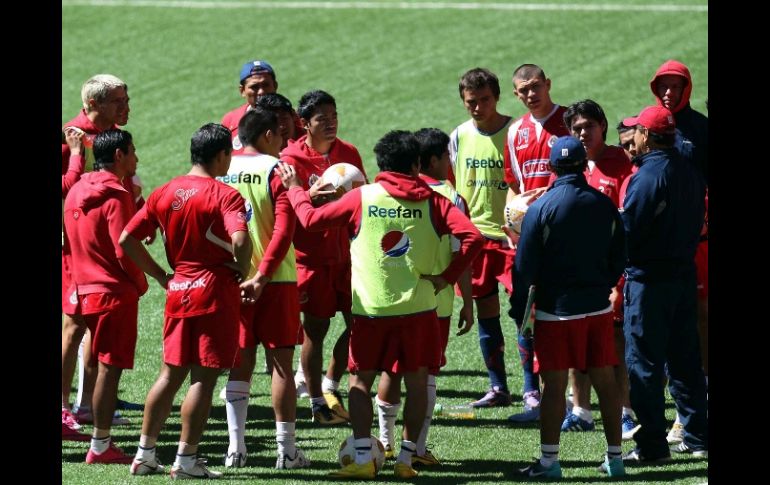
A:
x: 347, y: 453
x: 343, y: 177
x: 517, y: 207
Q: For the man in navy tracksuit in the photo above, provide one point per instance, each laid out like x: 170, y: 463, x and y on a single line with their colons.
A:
x: 663, y: 214
x: 572, y: 248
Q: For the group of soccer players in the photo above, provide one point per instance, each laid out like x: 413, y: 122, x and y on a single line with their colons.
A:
x: 254, y: 239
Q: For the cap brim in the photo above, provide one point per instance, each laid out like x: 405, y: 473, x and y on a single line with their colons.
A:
x: 631, y: 121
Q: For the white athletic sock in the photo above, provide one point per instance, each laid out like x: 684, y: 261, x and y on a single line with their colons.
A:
x: 81, y: 375
x: 284, y: 436
x: 144, y: 453
x: 628, y: 412
x: 329, y: 385
x: 548, y: 455
x: 147, y: 442
x: 583, y: 413
x: 100, y: 445
x: 237, y: 407
x: 423, y: 439
x: 317, y: 401
x: 299, y: 376
x: 363, y: 450
x: 614, y: 452
x: 387, y: 414
x: 408, y: 449
x: 678, y: 419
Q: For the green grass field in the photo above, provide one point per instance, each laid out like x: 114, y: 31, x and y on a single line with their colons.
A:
x: 389, y: 68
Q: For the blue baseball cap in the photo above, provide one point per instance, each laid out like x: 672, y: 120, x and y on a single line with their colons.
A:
x: 567, y: 151
x: 256, y: 67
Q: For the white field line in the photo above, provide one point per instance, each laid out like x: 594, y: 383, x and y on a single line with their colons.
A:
x: 388, y: 5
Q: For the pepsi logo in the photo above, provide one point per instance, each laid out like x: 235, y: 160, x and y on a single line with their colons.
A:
x: 395, y: 244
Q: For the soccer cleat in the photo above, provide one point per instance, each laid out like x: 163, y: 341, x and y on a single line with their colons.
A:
x: 69, y: 434
x: 402, y: 470
x: 629, y: 427
x: 389, y: 452
x: 334, y: 401
x: 235, y: 459
x: 69, y: 419
x: 531, y: 400
x: 636, y: 456
x: 146, y: 467
x: 299, y: 461
x: 200, y: 470
x: 575, y: 423
x: 128, y: 406
x: 684, y: 449
x: 528, y: 416
x: 323, y: 415
x: 537, y: 470
x: 367, y: 470
x: 112, y: 455
x: 425, y: 460
x: 494, y: 397
x: 676, y: 435
x: 613, y: 468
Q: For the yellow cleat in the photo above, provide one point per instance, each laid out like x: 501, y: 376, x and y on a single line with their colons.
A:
x: 425, y: 460
x: 366, y: 471
x: 402, y: 470
x: 334, y: 401
x: 389, y: 452
x: 325, y: 416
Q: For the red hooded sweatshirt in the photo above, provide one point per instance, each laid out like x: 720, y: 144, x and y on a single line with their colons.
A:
x: 331, y: 246
x: 346, y: 213
x: 693, y: 125
x: 96, y: 211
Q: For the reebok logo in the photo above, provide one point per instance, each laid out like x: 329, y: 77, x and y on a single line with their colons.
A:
x: 483, y: 163
x: 186, y: 285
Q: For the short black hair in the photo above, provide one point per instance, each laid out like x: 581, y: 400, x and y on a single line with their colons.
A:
x: 311, y: 101
x: 397, y: 151
x: 433, y: 143
x: 105, y: 144
x: 587, y: 108
x: 208, y: 141
x: 274, y: 102
x: 622, y: 127
x: 528, y: 71
x: 254, y: 123
x: 579, y: 168
x: 479, y: 78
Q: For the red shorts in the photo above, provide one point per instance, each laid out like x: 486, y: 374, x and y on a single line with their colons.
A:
x: 394, y: 344
x: 443, y: 334
x: 493, y: 264
x: 69, y: 294
x: 702, y: 269
x: 111, y: 319
x: 274, y: 320
x: 324, y: 290
x: 580, y: 344
x: 208, y: 340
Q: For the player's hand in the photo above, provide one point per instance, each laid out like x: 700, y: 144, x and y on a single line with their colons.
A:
x: 465, y: 322
x: 239, y: 273
x: 321, y: 193
x: 150, y: 239
x: 513, y: 238
x: 74, y: 138
x: 163, y: 281
x: 288, y: 175
x: 438, y: 282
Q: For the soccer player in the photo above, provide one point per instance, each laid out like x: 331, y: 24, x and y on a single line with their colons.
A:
x: 275, y: 321
x: 527, y: 149
x: 105, y: 106
x: 572, y: 248
x: 606, y: 170
x: 282, y: 108
x: 257, y: 78
x: 660, y: 293
x: 476, y: 152
x: 397, y: 222
x: 323, y: 258
x: 107, y: 283
x: 434, y: 170
x: 203, y: 222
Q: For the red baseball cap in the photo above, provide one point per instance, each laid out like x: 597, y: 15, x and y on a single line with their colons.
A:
x: 655, y: 118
